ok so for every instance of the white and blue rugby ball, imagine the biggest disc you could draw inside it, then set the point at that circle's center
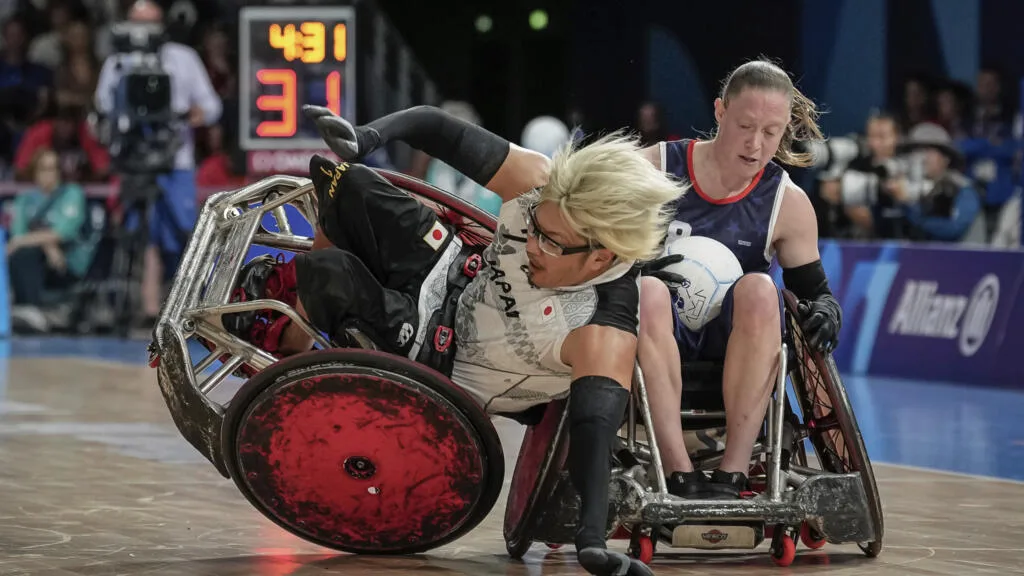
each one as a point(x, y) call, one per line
point(709, 269)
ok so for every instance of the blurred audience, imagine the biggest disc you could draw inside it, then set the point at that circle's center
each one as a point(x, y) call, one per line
point(25, 87)
point(948, 207)
point(991, 151)
point(78, 70)
point(956, 177)
point(859, 192)
point(545, 134)
point(45, 245)
point(82, 157)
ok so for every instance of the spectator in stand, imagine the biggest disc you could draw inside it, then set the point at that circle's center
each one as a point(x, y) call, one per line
point(952, 99)
point(215, 169)
point(217, 57)
point(193, 95)
point(917, 102)
point(990, 149)
point(650, 125)
point(45, 251)
point(82, 157)
point(948, 208)
point(78, 71)
point(24, 86)
point(47, 48)
point(857, 190)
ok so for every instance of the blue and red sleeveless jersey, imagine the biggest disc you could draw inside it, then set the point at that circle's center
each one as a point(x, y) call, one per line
point(744, 223)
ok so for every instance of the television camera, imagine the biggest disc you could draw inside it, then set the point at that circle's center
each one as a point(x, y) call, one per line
point(143, 135)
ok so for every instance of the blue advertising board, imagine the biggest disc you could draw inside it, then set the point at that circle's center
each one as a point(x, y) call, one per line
point(928, 311)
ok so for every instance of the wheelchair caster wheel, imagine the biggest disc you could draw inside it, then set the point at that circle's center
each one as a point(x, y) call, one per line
point(810, 537)
point(642, 549)
point(784, 553)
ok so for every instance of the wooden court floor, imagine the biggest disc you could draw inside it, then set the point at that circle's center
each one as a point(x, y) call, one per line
point(94, 480)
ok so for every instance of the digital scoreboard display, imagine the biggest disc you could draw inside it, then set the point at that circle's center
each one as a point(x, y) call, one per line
point(289, 57)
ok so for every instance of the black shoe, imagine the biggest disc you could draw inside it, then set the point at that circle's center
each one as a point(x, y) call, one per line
point(689, 485)
point(601, 562)
point(726, 485)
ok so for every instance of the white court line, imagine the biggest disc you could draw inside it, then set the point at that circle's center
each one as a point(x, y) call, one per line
point(964, 475)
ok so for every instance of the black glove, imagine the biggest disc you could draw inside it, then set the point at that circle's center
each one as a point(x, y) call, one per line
point(656, 269)
point(349, 142)
point(821, 320)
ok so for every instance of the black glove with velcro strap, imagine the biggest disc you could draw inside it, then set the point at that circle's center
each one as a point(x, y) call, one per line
point(821, 318)
point(656, 269)
point(349, 142)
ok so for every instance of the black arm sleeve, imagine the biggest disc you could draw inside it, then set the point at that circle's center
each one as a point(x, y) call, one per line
point(808, 282)
point(468, 148)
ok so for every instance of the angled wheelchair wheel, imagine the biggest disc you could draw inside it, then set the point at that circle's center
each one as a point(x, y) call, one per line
point(537, 470)
point(363, 452)
point(829, 419)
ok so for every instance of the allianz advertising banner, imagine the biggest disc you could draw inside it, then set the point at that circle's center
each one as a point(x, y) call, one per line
point(929, 312)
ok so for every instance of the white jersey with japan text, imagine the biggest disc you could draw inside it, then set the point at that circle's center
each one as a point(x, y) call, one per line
point(509, 334)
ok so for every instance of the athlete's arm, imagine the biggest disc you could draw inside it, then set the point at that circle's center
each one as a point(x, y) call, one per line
point(796, 231)
point(596, 350)
point(796, 245)
point(490, 160)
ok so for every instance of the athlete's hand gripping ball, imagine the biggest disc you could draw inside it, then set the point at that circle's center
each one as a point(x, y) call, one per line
point(656, 269)
point(350, 143)
point(821, 320)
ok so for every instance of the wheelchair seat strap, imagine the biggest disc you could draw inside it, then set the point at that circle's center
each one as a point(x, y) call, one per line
point(439, 353)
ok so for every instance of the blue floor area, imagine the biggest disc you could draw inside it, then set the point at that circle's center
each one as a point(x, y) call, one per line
point(950, 427)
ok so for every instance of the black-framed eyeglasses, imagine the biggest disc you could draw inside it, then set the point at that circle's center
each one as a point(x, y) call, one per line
point(546, 243)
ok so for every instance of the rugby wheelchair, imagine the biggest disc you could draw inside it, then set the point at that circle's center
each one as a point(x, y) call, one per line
point(356, 449)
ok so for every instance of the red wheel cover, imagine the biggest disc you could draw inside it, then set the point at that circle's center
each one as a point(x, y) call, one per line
point(362, 462)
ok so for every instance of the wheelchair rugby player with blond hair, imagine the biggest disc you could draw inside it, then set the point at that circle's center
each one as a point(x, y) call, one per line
point(552, 311)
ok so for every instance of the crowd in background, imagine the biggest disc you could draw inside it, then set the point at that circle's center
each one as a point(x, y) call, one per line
point(944, 166)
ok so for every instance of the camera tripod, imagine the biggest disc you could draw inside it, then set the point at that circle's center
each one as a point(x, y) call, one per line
point(115, 293)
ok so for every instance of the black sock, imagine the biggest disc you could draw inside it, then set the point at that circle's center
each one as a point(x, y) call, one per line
point(596, 408)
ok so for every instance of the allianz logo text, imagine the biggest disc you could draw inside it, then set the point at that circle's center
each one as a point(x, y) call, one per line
point(922, 311)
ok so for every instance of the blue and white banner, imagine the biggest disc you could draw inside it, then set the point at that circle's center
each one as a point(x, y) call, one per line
point(929, 312)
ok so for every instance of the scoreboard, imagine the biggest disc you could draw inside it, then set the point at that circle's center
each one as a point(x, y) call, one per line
point(291, 56)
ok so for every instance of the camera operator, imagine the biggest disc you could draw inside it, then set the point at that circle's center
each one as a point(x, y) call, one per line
point(858, 188)
point(947, 206)
point(191, 96)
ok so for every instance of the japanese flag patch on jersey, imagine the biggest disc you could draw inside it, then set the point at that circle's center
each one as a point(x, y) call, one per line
point(547, 310)
point(436, 236)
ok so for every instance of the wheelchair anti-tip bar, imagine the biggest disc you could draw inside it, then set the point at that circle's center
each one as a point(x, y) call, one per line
point(228, 225)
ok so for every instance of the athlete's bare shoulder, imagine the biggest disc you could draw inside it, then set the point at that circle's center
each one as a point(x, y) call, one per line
point(653, 154)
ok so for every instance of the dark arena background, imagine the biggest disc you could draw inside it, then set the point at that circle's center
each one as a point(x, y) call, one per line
point(127, 451)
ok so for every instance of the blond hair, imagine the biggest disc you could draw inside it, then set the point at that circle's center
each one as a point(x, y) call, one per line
point(803, 122)
point(611, 195)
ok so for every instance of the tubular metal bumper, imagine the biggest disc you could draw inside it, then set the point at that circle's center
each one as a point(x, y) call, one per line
point(228, 225)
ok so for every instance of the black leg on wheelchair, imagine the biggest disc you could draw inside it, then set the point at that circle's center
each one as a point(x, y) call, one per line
point(596, 408)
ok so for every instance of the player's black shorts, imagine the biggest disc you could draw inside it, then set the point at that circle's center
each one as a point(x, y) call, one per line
point(385, 244)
